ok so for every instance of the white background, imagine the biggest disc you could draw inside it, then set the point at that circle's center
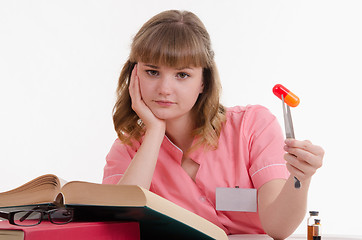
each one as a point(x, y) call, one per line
point(60, 61)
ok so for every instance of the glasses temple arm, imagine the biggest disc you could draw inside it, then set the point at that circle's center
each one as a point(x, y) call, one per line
point(28, 213)
point(4, 215)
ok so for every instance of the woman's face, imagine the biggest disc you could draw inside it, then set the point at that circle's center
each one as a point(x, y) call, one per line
point(170, 93)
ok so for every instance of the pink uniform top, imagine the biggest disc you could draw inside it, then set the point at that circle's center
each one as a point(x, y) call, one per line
point(249, 154)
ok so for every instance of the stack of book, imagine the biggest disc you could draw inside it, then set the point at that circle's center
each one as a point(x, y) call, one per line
point(103, 211)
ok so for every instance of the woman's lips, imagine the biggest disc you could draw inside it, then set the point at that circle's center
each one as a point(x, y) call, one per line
point(164, 103)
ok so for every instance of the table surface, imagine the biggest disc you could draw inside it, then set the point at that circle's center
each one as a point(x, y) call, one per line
point(293, 237)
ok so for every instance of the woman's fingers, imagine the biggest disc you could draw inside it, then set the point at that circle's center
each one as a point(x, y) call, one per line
point(306, 145)
point(134, 87)
point(134, 91)
point(140, 107)
point(295, 172)
point(300, 169)
point(303, 158)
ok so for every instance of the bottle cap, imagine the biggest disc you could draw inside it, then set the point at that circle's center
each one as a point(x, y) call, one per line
point(313, 213)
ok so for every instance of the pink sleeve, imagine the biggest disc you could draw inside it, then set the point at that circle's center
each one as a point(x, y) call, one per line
point(117, 161)
point(266, 142)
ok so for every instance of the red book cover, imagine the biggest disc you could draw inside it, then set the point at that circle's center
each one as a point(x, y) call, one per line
point(75, 231)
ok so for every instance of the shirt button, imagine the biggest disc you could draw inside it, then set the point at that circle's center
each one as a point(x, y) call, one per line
point(202, 198)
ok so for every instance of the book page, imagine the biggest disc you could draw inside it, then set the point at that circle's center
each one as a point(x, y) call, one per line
point(40, 190)
point(11, 234)
point(62, 182)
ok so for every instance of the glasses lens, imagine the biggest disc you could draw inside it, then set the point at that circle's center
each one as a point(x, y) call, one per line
point(61, 216)
point(27, 218)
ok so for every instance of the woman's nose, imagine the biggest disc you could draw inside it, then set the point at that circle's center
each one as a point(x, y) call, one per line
point(165, 86)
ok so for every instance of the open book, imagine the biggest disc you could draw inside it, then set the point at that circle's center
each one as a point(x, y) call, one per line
point(158, 217)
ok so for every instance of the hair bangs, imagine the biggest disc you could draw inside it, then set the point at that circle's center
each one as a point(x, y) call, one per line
point(173, 45)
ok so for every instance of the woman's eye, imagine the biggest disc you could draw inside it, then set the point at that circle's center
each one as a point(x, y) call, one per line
point(183, 75)
point(152, 72)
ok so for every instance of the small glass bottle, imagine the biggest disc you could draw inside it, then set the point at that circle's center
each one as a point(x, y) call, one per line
point(317, 229)
point(311, 222)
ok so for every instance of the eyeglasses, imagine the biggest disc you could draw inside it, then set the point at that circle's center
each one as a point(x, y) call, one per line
point(27, 218)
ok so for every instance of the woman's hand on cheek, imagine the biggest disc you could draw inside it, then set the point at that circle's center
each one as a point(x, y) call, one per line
point(303, 158)
point(139, 106)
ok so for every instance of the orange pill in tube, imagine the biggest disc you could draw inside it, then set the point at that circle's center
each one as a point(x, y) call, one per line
point(289, 98)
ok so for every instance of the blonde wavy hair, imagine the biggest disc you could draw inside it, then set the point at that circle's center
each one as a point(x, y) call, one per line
point(174, 39)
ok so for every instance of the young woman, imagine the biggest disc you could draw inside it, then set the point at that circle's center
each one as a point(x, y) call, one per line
point(178, 141)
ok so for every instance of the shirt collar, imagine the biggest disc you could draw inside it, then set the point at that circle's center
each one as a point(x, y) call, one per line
point(174, 150)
